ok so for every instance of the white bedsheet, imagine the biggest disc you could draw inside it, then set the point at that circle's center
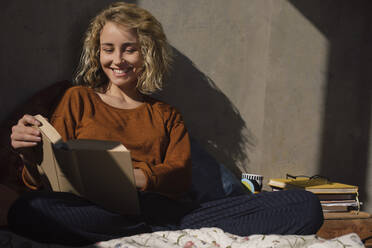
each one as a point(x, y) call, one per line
point(204, 237)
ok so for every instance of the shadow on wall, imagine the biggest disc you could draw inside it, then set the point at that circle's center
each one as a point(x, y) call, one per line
point(210, 116)
point(347, 115)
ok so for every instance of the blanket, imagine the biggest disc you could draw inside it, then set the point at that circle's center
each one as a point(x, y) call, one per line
point(199, 238)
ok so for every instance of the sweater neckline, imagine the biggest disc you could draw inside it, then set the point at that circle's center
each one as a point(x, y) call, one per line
point(99, 100)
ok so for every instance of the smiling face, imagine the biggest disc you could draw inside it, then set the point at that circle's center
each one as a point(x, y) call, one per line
point(120, 55)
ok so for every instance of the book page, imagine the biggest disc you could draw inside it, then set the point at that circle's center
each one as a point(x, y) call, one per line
point(49, 130)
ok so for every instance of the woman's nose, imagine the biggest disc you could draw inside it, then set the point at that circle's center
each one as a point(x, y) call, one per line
point(118, 58)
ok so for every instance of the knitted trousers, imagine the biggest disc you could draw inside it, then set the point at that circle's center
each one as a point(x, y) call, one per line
point(64, 218)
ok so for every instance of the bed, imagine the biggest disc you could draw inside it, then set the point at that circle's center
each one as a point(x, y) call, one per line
point(201, 238)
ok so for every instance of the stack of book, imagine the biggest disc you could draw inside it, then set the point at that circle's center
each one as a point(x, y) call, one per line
point(334, 197)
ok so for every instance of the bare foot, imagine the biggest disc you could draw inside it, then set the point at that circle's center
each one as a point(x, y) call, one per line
point(7, 197)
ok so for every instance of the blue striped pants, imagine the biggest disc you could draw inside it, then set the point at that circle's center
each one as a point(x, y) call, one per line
point(64, 218)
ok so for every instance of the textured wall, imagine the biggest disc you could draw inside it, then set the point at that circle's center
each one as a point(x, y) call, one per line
point(40, 44)
point(344, 133)
point(219, 78)
point(267, 86)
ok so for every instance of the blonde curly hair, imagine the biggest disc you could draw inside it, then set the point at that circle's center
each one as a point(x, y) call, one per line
point(155, 50)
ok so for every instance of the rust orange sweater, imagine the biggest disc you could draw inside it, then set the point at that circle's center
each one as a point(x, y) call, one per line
point(154, 133)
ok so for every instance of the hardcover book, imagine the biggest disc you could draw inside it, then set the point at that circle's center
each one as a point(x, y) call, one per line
point(317, 186)
point(329, 197)
point(340, 206)
point(100, 171)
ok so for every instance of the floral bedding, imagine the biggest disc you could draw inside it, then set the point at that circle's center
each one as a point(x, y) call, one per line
point(203, 238)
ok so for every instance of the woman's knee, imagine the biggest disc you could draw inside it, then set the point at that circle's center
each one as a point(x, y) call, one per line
point(315, 212)
point(37, 207)
point(310, 214)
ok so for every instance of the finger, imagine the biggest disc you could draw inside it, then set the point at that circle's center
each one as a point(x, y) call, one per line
point(29, 120)
point(23, 144)
point(20, 129)
point(25, 137)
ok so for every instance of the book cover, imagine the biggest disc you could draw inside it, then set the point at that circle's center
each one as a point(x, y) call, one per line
point(326, 208)
point(340, 205)
point(100, 171)
point(329, 197)
point(317, 186)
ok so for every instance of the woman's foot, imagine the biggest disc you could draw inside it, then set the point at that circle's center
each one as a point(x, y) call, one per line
point(7, 197)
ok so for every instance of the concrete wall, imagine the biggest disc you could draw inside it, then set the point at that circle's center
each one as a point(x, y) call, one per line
point(267, 86)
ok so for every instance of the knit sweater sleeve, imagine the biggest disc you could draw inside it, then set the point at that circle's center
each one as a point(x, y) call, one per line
point(67, 114)
point(173, 176)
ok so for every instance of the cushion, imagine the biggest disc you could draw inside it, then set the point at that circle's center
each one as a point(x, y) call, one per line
point(43, 102)
point(210, 179)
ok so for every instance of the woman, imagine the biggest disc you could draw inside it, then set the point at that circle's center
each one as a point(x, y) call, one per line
point(125, 57)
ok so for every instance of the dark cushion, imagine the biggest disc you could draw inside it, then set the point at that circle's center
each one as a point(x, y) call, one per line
point(43, 102)
point(210, 179)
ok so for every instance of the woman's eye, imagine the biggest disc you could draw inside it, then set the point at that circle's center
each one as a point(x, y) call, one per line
point(130, 50)
point(107, 50)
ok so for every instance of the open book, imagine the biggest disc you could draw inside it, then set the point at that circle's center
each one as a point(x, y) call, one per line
point(100, 171)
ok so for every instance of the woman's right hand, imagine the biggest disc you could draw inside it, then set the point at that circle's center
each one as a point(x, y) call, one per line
point(24, 134)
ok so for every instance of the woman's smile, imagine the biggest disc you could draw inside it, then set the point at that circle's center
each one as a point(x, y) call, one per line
point(122, 72)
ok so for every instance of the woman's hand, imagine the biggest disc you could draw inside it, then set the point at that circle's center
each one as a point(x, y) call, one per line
point(23, 134)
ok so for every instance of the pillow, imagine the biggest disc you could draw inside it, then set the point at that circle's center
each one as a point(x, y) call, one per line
point(210, 179)
point(43, 102)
